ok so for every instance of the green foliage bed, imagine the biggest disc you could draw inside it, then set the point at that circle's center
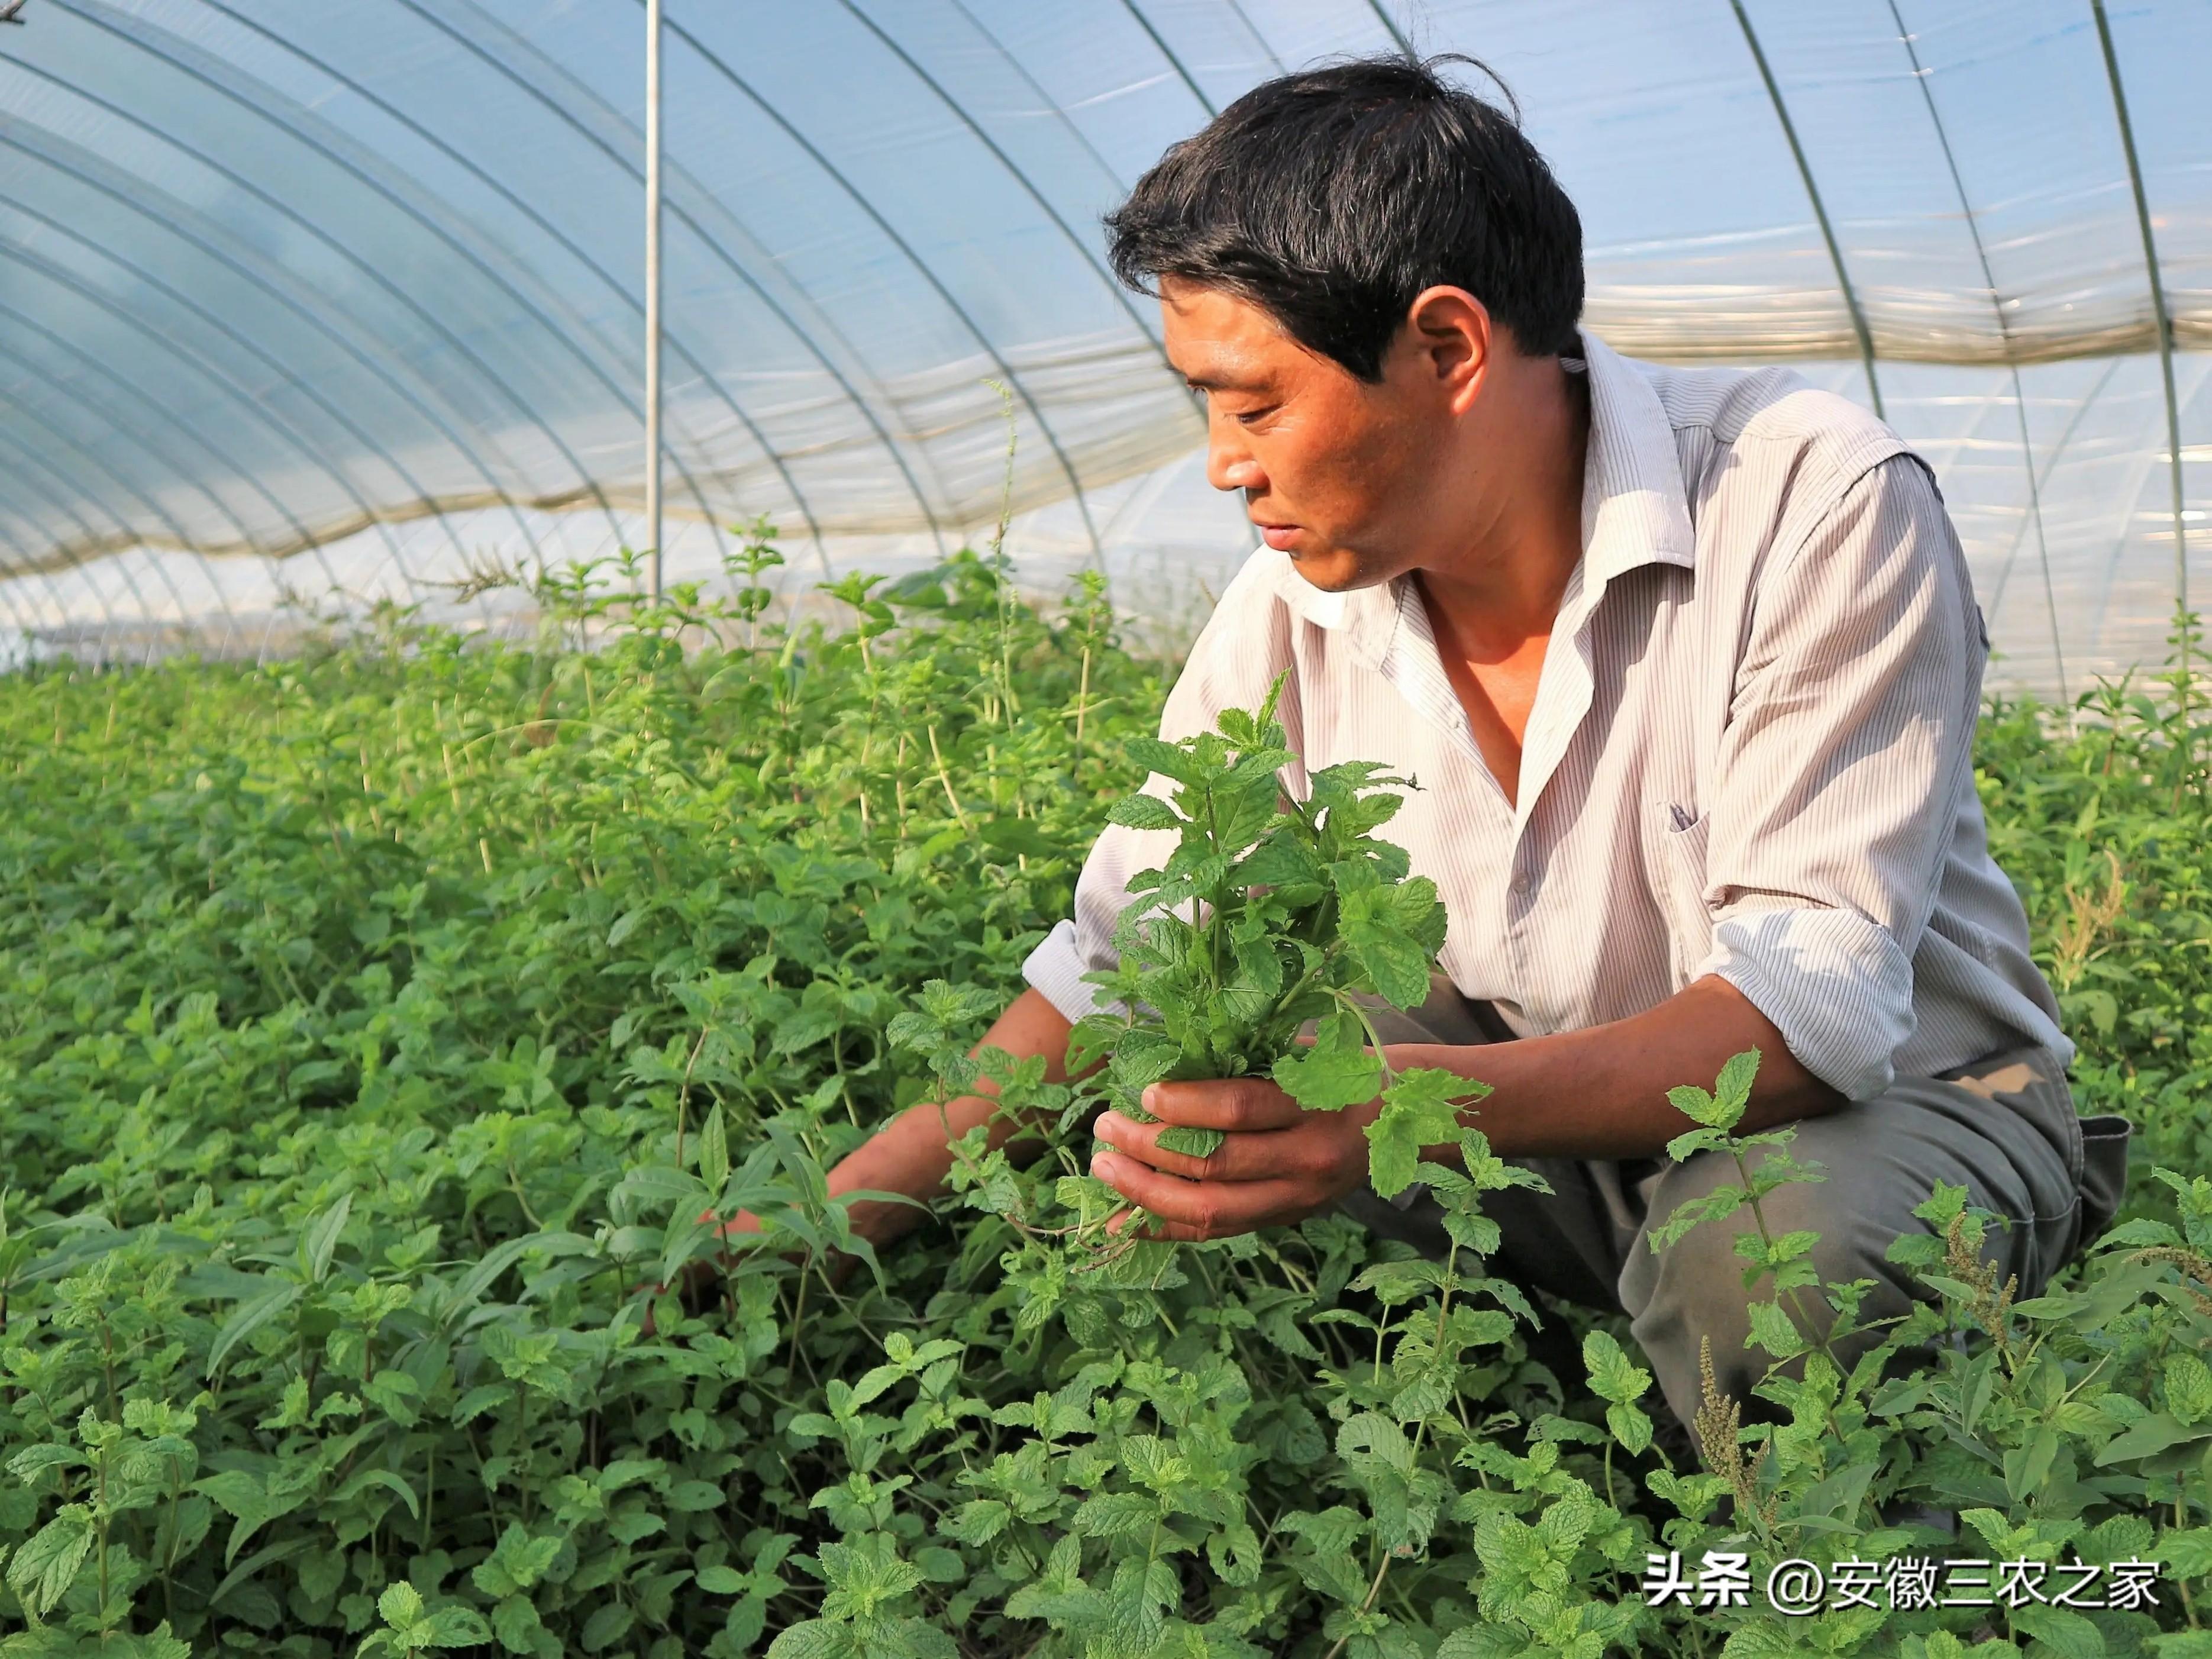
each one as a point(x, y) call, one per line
point(372, 1023)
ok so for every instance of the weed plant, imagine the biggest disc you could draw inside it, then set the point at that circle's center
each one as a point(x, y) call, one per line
point(371, 1023)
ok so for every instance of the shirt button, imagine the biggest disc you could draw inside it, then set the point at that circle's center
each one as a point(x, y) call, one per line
point(1523, 885)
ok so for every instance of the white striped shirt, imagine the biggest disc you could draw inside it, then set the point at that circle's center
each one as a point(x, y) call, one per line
point(1750, 754)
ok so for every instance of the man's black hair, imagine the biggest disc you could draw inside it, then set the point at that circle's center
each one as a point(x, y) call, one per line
point(1331, 197)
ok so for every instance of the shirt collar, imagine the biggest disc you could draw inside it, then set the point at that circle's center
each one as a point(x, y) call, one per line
point(1635, 510)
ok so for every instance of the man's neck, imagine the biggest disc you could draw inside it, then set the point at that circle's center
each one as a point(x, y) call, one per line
point(1503, 587)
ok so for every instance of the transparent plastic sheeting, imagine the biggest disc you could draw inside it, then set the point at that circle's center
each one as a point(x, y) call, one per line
point(335, 302)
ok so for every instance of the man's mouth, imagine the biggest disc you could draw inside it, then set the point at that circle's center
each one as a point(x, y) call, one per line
point(1278, 536)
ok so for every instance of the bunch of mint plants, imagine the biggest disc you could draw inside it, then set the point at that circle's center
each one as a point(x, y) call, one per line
point(1296, 911)
point(374, 1022)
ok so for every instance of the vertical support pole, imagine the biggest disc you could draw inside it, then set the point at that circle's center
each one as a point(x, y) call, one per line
point(653, 287)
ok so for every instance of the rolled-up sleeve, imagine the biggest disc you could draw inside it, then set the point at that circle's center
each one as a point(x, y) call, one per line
point(1245, 643)
point(1848, 746)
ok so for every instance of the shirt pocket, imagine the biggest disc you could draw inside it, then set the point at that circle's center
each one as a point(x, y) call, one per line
point(1674, 856)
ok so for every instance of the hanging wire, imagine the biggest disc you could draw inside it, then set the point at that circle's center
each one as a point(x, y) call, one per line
point(2081, 408)
point(288, 432)
point(1189, 81)
point(1397, 36)
point(1923, 79)
point(2161, 316)
point(929, 273)
point(1820, 206)
point(305, 300)
point(217, 78)
point(571, 108)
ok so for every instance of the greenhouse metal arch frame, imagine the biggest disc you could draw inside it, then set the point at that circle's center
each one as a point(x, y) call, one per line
point(406, 235)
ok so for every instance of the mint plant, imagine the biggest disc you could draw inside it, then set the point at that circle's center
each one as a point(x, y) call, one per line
point(373, 1022)
point(1271, 912)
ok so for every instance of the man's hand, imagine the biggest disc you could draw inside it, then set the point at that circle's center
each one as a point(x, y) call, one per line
point(1279, 1165)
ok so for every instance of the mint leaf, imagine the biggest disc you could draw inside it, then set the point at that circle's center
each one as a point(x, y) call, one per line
point(1612, 1375)
point(1328, 1081)
point(1396, 966)
point(1190, 1142)
point(1271, 910)
point(1733, 1087)
point(1142, 813)
point(1420, 1110)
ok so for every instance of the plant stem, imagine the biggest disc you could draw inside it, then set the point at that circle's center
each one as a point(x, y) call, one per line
point(684, 1094)
point(945, 777)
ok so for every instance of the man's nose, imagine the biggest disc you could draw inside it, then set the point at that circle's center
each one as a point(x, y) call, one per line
point(1230, 464)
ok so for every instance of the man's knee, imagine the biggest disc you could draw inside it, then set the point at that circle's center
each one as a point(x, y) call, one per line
point(1692, 1290)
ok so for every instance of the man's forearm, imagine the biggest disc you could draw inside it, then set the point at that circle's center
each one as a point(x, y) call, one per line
point(1603, 1093)
point(913, 1155)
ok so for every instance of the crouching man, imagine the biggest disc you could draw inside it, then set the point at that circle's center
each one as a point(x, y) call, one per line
point(1686, 664)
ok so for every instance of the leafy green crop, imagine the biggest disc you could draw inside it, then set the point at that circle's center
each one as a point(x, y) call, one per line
point(1298, 909)
point(373, 1022)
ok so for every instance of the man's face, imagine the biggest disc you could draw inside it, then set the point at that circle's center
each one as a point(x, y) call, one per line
point(1337, 472)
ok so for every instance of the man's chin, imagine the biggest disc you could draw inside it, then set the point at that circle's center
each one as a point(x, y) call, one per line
point(1334, 571)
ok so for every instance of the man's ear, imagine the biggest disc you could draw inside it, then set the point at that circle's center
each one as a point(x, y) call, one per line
point(1447, 332)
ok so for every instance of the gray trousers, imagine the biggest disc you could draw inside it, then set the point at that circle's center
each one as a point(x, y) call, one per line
point(2005, 1128)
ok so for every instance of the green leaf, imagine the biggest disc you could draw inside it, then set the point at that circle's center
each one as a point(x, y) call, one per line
point(400, 1606)
point(814, 1638)
point(2189, 1553)
point(868, 1569)
point(45, 1567)
point(2064, 1632)
point(1630, 1426)
point(321, 1572)
point(2188, 1388)
point(940, 1566)
point(1837, 1494)
point(1612, 1375)
point(1334, 1531)
point(1115, 1514)
point(1190, 1142)
point(1421, 1109)
point(322, 1241)
point(1397, 966)
point(1169, 760)
point(607, 1626)
point(457, 1625)
point(1772, 1330)
point(1695, 1103)
point(2153, 1434)
point(1328, 1079)
point(242, 1496)
point(1143, 1056)
point(714, 1152)
point(1732, 1091)
point(1019, 837)
point(1685, 1146)
point(268, 1556)
point(1142, 813)
point(515, 1624)
point(516, 1563)
point(32, 1461)
point(249, 1317)
point(978, 1523)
